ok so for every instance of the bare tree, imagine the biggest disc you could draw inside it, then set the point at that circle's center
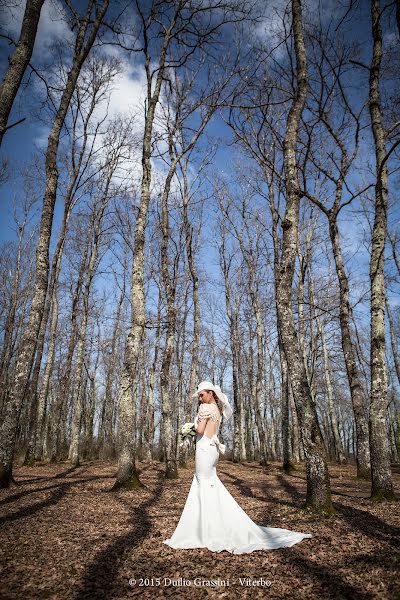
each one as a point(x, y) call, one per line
point(13, 300)
point(330, 104)
point(86, 34)
point(18, 63)
point(116, 148)
point(382, 486)
point(318, 482)
point(60, 405)
point(233, 301)
point(192, 239)
point(184, 31)
point(249, 234)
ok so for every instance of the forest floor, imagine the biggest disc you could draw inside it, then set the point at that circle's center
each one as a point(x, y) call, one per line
point(64, 535)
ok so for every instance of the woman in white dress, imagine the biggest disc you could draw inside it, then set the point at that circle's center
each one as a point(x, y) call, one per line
point(211, 517)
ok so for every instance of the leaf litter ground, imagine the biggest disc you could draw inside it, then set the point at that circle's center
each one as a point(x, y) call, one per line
point(65, 535)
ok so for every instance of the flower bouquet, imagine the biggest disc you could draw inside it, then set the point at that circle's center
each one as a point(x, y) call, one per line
point(187, 435)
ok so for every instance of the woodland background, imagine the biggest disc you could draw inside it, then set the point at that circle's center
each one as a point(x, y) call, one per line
point(201, 190)
point(190, 190)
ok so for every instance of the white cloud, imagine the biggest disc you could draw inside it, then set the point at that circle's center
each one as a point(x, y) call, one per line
point(128, 94)
point(52, 27)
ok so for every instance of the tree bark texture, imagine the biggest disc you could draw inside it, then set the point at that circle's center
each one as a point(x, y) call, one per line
point(86, 36)
point(127, 475)
point(350, 354)
point(318, 482)
point(19, 61)
point(382, 486)
point(98, 215)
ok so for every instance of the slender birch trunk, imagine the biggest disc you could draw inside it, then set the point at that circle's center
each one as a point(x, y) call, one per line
point(190, 253)
point(127, 475)
point(195, 285)
point(37, 434)
point(237, 403)
point(382, 486)
point(44, 392)
point(340, 456)
point(86, 35)
point(270, 399)
point(287, 465)
point(169, 284)
point(91, 404)
point(152, 379)
point(78, 161)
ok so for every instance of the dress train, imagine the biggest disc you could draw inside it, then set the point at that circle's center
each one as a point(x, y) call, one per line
point(212, 518)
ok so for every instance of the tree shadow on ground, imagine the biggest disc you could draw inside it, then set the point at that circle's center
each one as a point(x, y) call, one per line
point(100, 576)
point(325, 576)
point(370, 525)
point(241, 484)
point(27, 511)
point(47, 477)
point(363, 520)
point(59, 491)
point(245, 490)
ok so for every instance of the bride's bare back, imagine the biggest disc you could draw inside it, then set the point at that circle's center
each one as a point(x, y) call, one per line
point(210, 413)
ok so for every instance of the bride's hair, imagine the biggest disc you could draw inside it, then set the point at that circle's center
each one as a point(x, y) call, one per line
point(217, 400)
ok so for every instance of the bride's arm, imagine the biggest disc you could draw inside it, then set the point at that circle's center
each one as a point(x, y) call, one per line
point(201, 426)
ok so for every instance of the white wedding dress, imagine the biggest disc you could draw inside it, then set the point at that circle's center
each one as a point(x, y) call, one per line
point(211, 517)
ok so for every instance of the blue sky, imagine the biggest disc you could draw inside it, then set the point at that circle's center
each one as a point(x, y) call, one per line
point(23, 141)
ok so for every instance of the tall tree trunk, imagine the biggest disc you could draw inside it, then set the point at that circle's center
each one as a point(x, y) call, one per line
point(84, 41)
point(106, 441)
point(232, 312)
point(349, 352)
point(340, 456)
point(18, 62)
point(169, 284)
point(65, 382)
point(318, 483)
point(43, 396)
point(188, 228)
point(51, 304)
point(9, 326)
point(259, 383)
point(270, 399)
point(127, 475)
point(382, 487)
point(152, 378)
point(287, 465)
point(91, 405)
point(69, 203)
point(98, 215)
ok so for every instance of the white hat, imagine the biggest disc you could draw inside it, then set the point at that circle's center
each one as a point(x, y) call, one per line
point(208, 386)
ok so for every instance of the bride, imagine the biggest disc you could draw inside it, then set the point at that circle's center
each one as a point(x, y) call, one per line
point(211, 517)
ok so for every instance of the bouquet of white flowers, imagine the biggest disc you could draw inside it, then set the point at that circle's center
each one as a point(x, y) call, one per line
point(187, 434)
